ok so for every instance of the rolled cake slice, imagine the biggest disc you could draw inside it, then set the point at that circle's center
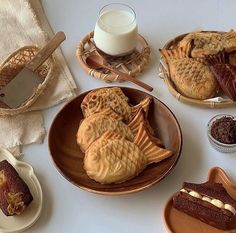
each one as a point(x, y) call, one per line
point(15, 195)
point(208, 202)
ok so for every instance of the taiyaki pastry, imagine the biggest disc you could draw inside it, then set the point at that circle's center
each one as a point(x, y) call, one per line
point(98, 100)
point(96, 124)
point(205, 43)
point(140, 118)
point(191, 76)
point(114, 98)
point(224, 73)
point(209, 202)
point(114, 159)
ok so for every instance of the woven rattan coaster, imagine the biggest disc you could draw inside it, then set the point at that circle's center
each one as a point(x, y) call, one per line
point(13, 65)
point(132, 64)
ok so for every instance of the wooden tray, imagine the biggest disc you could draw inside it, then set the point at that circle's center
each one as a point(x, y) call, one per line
point(68, 157)
point(132, 64)
point(179, 222)
point(163, 72)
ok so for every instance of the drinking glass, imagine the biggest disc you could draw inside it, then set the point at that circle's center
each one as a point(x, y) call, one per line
point(116, 30)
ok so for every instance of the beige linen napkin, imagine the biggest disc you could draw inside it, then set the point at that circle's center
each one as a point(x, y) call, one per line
point(22, 23)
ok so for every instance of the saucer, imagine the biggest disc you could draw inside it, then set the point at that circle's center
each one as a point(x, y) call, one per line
point(33, 211)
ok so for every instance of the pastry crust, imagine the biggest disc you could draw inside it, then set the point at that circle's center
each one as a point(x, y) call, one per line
point(92, 127)
point(113, 159)
point(205, 43)
point(113, 98)
point(191, 76)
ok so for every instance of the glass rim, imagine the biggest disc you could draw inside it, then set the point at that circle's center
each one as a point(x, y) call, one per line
point(119, 4)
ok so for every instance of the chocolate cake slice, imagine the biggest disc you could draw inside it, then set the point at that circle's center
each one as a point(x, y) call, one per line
point(208, 202)
point(224, 73)
point(14, 192)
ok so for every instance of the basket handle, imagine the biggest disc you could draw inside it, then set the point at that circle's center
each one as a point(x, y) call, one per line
point(46, 51)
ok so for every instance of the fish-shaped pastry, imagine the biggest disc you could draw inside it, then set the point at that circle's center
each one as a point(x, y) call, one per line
point(96, 124)
point(224, 72)
point(114, 98)
point(114, 159)
point(140, 118)
point(92, 127)
point(205, 43)
point(191, 76)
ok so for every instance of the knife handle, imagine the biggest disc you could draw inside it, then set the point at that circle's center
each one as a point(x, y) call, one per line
point(46, 51)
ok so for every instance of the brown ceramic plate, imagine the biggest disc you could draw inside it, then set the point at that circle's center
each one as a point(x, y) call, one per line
point(68, 157)
point(179, 222)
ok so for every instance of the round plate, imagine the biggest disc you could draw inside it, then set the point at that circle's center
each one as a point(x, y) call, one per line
point(179, 222)
point(68, 157)
point(33, 211)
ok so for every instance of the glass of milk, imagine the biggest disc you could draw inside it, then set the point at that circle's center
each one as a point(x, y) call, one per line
point(116, 30)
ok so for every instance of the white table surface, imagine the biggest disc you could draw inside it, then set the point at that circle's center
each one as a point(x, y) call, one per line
point(69, 209)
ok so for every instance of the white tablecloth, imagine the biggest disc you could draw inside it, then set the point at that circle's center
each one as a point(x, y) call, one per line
point(69, 209)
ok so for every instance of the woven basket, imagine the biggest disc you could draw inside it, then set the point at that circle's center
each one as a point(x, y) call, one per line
point(164, 73)
point(132, 64)
point(11, 67)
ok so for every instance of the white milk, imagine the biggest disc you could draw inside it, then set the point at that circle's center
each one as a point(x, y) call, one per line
point(116, 32)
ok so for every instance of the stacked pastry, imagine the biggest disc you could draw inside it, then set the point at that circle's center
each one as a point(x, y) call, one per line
point(116, 137)
point(202, 64)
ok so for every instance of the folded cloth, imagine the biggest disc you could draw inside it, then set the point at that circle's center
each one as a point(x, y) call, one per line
point(21, 129)
point(22, 23)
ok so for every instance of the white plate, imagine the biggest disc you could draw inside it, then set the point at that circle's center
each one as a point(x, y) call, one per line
point(32, 212)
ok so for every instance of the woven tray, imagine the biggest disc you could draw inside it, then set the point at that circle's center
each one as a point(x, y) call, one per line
point(164, 73)
point(10, 68)
point(132, 64)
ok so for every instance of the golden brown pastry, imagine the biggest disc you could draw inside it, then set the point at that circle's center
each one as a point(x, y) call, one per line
point(98, 100)
point(114, 159)
point(95, 125)
point(114, 98)
point(205, 43)
point(191, 76)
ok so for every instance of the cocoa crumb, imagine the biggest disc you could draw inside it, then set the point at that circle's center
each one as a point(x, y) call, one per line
point(224, 130)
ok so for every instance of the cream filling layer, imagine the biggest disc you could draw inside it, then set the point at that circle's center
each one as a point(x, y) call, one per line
point(213, 201)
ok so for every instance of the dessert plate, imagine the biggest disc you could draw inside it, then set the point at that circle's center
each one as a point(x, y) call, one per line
point(68, 157)
point(179, 222)
point(32, 212)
